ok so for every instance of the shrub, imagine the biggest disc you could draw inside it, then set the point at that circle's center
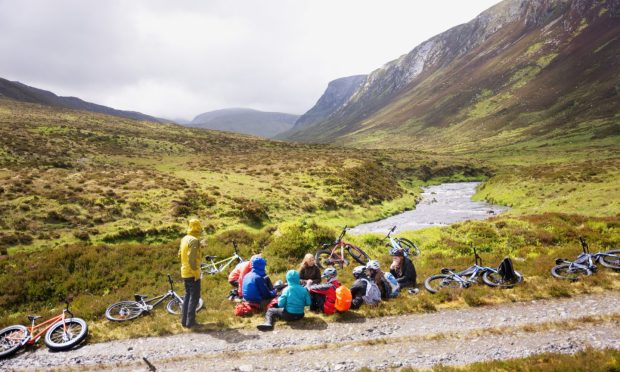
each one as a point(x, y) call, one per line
point(252, 211)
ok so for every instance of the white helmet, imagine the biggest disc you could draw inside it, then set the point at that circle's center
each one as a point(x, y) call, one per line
point(373, 265)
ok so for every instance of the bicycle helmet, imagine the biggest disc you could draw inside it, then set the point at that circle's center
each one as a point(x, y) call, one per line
point(373, 265)
point(330, 272)
point(397, 252)
point(359, 271)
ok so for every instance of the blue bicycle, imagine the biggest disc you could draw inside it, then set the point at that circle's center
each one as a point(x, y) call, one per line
point(409, 247)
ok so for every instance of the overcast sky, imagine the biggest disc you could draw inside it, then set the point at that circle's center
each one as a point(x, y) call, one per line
point(177, 59)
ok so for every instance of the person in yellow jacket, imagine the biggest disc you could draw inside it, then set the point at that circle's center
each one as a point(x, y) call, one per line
point(189, 252)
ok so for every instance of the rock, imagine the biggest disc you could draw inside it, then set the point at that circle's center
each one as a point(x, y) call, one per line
point(246, 368)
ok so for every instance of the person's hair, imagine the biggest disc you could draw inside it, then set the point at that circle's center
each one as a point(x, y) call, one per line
point(304, 262)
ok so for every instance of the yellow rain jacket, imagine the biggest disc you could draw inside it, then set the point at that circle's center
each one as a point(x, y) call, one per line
point(189, 251)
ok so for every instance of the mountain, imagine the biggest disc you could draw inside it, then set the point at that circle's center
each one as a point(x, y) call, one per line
point(24, 93)
point(337, 93)
point(248, 121)
point(523, 70)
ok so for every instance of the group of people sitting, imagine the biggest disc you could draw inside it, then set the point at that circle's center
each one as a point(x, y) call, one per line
point(308, 287)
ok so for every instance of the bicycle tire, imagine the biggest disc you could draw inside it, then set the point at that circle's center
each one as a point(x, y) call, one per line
point(174, 307)
point(561, 272)
point(432, 289)
point(123, 311)
point(57, 339)
point(323, 258)
point(611, 262)
point(362, 258)
point(494, 279)
point(11, 340)
point(411, 246)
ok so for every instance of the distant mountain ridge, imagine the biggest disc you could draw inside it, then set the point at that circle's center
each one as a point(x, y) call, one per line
point(337, 93)
point(247, 121)
point(24, 93)
point(522, 69)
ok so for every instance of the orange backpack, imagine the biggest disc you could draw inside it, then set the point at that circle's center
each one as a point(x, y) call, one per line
point(343, 299)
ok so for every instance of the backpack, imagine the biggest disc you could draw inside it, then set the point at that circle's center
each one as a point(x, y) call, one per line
point(343, 299)
point(245, 308)
point(394, 286)
point(506, 270)
point(373, 294)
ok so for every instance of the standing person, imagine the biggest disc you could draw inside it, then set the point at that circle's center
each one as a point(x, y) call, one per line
point(374, 272)
point(189, 252)
point(309, 272)
point(291, 303)
point(256, 285)
point(324, 295)
point(402, 268)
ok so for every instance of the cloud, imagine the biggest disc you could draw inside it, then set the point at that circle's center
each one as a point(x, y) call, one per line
point(178, 59)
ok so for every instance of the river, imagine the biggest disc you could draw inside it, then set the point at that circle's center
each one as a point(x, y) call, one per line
point(440, 205)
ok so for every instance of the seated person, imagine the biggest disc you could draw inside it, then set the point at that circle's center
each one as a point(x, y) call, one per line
point(309, 272)
point(402, 268)
point(290, 304)
point(363, 290)
point(233, 278)
point(324, 295)
point(257, 289)
point(373, 269)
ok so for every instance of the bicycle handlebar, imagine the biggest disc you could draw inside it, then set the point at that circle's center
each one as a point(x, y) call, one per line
point(170, 281)
point(234, 243)
point(477, 258)
point(344, 231)
point(390, 232)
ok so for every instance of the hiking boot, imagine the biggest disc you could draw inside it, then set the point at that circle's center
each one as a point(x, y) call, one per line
point(265, 327)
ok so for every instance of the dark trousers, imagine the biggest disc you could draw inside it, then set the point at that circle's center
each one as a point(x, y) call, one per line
point(190, 302)
point(274, 314)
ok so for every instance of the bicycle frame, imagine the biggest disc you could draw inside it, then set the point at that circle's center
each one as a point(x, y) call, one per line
point(149, 304)
point(215, 267)
point(468, 275)
point(334, 256)
point(43, 327)
point(586, 259)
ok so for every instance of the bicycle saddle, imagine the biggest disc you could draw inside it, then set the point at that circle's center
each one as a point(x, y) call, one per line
point(32, 318)
point(446, 271)
point(140, 297)
point(210, 257)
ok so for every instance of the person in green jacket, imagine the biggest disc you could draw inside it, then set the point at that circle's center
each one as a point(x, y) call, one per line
point(189, 252)
point(291, 303)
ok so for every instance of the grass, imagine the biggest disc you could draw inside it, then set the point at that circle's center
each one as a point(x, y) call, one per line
point(94, 206)
point(586, 360)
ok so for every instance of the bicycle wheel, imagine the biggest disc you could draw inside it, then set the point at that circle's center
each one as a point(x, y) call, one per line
point(563, 271)
point(12, 339)
point(409, 246)
point(174, 306)
point(495, 279)
point(124, 310)
point(435, 283)
point(66, 334)
point(358, 254)
point(323, 258)
point(612, 262)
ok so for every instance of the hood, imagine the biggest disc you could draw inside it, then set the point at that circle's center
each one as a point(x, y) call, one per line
point(258, 265)
point(292, 277)
point(194, 227)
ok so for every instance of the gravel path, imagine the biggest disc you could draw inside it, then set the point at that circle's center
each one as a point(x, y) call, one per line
point(410, 340)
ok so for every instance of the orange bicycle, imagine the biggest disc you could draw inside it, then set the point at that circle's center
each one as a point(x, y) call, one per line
point(61, 333)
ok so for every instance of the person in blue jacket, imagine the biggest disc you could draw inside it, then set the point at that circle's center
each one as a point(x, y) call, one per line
point(256, 290)
point(291, 303)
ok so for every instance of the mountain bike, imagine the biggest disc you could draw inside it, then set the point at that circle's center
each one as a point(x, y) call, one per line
point(62, 332)
point(465, 278)
point(329, 255)
point(585, 264)
point(409, 247)
point(214, 267)
point(129, 310)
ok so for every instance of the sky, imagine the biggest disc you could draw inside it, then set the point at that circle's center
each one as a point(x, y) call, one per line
point(177, 59)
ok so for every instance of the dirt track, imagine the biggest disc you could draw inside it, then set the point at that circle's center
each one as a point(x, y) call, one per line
point(448, 337)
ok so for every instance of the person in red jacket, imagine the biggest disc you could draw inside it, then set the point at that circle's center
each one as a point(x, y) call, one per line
point(324, 295)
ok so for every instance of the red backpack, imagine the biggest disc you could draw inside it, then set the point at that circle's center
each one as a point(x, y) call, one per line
point(246, 309)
